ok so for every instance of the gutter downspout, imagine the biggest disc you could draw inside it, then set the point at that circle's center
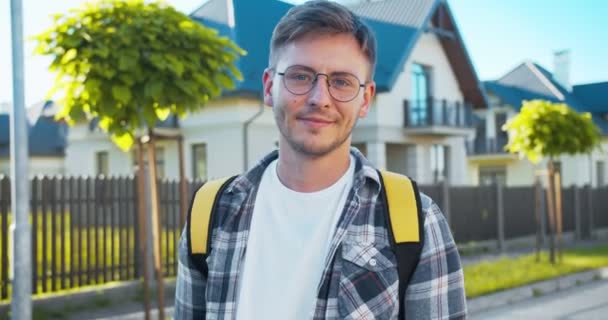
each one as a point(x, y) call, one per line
point(246, 134)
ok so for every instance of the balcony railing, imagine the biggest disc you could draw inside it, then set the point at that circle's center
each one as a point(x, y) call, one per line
point(483, 145)
point(432, 112)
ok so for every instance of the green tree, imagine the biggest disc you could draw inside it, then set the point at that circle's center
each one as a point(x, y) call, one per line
point(543, 129)
point(131, 63)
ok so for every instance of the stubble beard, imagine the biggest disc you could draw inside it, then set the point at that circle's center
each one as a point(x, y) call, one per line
point(307, 149)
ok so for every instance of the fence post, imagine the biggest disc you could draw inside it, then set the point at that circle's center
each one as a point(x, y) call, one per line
point(590, 208)
point(577, 213)
point(445, 201)
point(500, 216)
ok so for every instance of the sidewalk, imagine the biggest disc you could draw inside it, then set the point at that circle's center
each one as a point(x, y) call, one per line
point(129, 308)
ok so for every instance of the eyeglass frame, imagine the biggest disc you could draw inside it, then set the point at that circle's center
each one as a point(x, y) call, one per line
point(316, 77)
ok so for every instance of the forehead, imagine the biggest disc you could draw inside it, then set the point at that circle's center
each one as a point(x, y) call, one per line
point(326, 53)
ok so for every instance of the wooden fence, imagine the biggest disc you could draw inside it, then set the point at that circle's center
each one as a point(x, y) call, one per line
point(85, 230)
point(478, 213)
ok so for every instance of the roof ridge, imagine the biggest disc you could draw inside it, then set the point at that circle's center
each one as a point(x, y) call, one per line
point(226, 15)
point(546, 82)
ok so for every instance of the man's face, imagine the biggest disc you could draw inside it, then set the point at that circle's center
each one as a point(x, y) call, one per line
point(314, 124)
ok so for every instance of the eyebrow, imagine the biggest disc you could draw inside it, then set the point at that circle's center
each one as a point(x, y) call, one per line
point(340, 72)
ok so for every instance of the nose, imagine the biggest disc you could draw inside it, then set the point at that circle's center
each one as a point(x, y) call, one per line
point(319, 94)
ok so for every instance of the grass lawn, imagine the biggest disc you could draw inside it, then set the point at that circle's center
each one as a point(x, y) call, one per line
point(506, 273)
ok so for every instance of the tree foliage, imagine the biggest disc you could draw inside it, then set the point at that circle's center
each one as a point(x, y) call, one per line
point(132, 63)
point(546, 129)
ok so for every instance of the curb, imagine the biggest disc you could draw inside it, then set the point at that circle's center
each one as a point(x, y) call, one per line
point(97, 297)
point(502, 298)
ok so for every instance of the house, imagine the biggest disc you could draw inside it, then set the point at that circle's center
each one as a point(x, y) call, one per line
point(419, 122)
point(46, 140)
point(488, 161)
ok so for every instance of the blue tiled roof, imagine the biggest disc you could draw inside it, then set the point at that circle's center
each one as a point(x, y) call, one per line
point(593, 95)
point(46, 137)
point(514, 97)
point(4, 131)
point(392, 54)
point(253, 33)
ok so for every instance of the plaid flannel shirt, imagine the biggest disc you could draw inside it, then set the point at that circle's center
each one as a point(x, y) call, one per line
point(350, 287)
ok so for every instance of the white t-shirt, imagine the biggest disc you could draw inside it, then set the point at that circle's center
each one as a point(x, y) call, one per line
point(287, 247)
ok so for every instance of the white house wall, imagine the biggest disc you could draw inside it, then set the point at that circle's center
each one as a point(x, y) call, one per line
point(382, 130)
point(457, 162)
point(577, 170)
point(37, 166)
point(428, 52)
point(219, 125)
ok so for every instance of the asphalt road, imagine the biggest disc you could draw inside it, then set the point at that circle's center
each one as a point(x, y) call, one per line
point(587, 302)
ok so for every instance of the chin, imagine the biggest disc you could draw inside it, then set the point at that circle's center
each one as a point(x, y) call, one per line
point(315, 150)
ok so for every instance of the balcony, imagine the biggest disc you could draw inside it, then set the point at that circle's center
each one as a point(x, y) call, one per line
point(489, 149)
point(437, 117)
point(482, 145)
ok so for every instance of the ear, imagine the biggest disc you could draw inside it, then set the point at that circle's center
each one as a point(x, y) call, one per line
point(267, 80)
point(368, 94)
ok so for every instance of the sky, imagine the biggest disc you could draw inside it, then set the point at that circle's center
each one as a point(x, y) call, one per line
point(498, 35)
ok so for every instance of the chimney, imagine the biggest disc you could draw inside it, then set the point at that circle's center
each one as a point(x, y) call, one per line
point(561, 68)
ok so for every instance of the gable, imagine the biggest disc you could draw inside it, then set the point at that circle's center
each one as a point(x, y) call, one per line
point(528, 78)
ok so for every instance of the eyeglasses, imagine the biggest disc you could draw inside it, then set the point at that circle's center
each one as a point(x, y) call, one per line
point(342, 86)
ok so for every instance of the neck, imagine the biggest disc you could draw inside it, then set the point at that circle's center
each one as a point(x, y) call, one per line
point(310, 174)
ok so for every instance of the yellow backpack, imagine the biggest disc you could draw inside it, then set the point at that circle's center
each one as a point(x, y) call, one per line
point(402, 206)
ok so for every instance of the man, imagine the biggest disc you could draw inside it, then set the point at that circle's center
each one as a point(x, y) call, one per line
point(301, 235)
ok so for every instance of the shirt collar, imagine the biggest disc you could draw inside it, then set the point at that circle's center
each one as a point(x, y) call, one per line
point(364, 171)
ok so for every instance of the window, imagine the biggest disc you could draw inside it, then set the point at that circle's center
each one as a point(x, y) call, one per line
point(600, 173)
point(420, 94)
point(160, 160)
point(199, 161)
point(102, 163)
point(501, 136)
point(439, 162)
point(492, 176)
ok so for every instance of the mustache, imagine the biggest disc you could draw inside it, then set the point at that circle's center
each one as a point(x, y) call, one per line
point(316, 114)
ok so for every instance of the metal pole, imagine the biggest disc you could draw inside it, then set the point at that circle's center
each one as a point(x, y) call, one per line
point(21, 300)
point(143, 224)
point(158, 267)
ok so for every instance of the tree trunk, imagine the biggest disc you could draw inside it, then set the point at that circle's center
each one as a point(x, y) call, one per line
point(537, 214)
point(558, 205)
point(551, 211)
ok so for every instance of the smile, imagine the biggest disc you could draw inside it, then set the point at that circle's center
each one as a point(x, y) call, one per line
point(315, 122)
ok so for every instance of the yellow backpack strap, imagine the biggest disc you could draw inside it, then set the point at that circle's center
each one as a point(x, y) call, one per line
point(406, 226)
point(403, 202)
point(200, 218)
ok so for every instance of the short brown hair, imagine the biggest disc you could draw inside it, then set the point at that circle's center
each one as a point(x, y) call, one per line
point(322, 17)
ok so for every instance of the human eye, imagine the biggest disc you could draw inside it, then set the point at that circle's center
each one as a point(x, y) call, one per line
point(342, 81)
point(299, 76)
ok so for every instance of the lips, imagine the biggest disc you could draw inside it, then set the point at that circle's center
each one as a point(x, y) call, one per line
point(315, 122)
